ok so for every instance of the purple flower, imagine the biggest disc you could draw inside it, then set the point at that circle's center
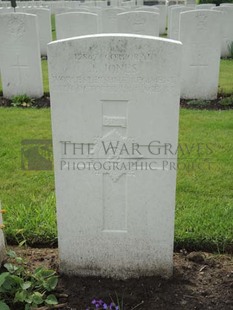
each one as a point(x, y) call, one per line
point(100, 304)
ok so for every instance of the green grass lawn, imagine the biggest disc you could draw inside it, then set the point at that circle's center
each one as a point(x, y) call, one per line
point(204, 203)
point(28, 196)
point(226, 76)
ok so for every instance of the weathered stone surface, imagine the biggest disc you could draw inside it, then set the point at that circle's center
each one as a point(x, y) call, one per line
point(20, 61)
point(115, 206)
point(44, 24)
point(76, 24)
point(200, 33)
point(175, 21)
point(226, 28)
point(205, 6)
point(109, 19)
point(138, 22)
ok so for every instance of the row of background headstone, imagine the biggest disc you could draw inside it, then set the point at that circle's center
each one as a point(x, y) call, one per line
point(105, 16)
point(174, 13)
point(75, 4)
point(106, 19)
point(17, 73)
point(112, 20)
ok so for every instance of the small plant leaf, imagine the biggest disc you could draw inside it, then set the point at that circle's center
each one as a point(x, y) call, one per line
point(22, 243)
point(11, 268)
point(47, 273)
point(26, 285)
point(3, 277)
point(3, 306)
point(11, 254)
point(16, 279)
point(51, 300)
point(37, 298)
point(20, 296)
point(52, 283)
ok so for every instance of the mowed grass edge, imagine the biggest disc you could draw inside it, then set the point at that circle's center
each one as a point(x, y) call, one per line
point(204, 201)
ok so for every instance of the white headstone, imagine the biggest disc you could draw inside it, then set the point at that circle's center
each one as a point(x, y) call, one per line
point(109, 19)
point(126, 5)
point(191, 3)
point(44, 23)
point(205, 6)
point(116, 208)
point(175, 21)
point(226, 4)
point(76, 24)
point(62, 10)
point(138, 22)
point(20, 61)
point(96, 10)
point(227, 28)
point(6, 10)
point(114, 3)
point(162, 18)
point(200, 33)
point(101, 3)
point(169, 9)
point(139, 2)
point(88, 3)
point(80, 9)
point(147, 8)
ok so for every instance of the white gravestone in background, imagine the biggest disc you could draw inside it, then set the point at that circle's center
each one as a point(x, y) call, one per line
point(205, 6)
point(62, 10)
point(139, 2)
point(115, 101)
point(169, 9)
point(226, 4)
point(80, 9)
point(153, 9)
point(191, 3)
point(76, 24)
point(200, 33)
point(20, 61)
point(175, 21)
point(163, 18)
point(227, 28)
point(138, 22)
point(109, 19)
point(146, 8)
point(44, 23)
point(114, 3)
point(102, 4)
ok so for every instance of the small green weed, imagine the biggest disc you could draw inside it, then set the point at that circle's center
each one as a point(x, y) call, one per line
point(21, 288)
point(226, 101)
point(22, 101)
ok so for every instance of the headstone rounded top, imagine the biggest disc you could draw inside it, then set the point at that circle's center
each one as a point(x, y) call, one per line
point(76, 13)
point(116, 35)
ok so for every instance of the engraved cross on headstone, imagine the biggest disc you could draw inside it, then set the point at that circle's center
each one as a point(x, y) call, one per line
point(20, 68)
point(114, 191)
